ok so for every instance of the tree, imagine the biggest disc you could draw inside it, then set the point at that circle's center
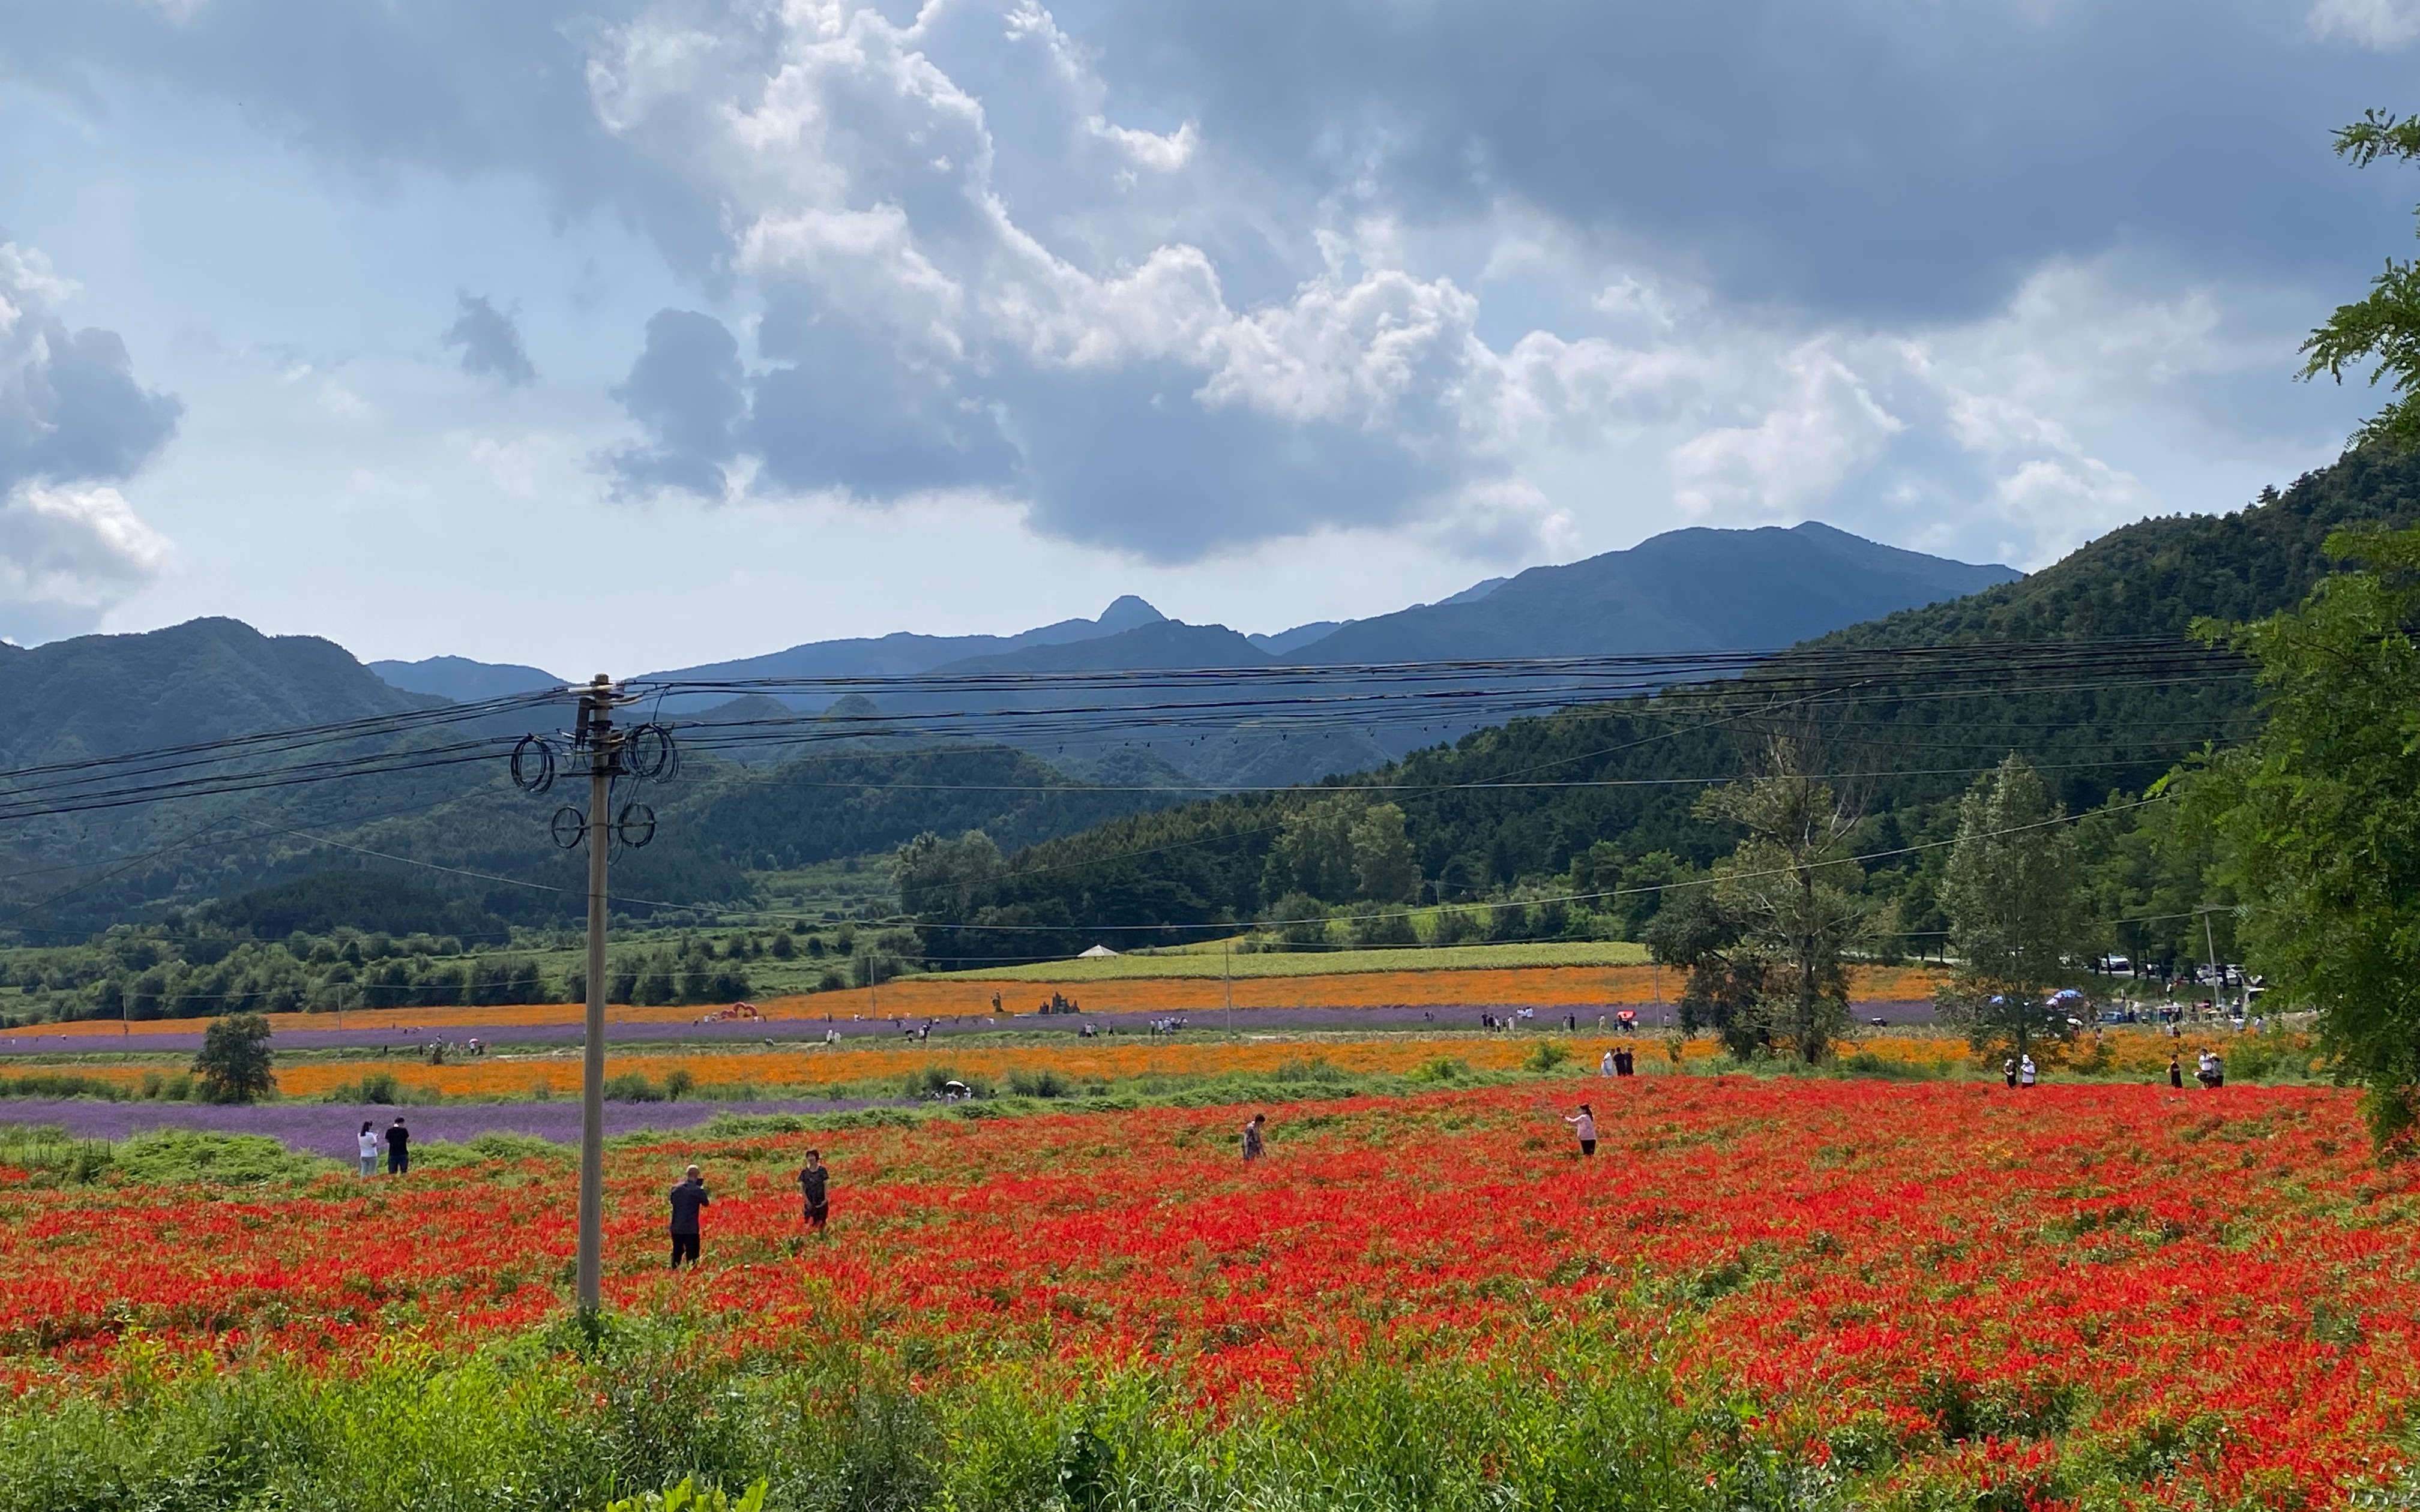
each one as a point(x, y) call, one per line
point(1766, 952)
point(2318, 818)
point(1300, 919)
point(1384, 865)
point(1313, 854)
point(234, 1065)
point(1726, 984)
point(2015, 895)
point(2384, 326)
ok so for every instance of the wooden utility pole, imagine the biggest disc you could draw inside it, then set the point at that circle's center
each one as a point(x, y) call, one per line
point(644, 754)
point(597, 720)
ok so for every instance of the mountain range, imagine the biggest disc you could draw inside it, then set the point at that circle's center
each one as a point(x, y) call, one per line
point(1692, 590)
point(802, 776)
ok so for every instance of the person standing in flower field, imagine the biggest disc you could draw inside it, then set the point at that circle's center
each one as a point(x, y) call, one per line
point(1255, 1145)
point(2176, 1075)
point(369, 1143)
point(2026, 1071)
point(398, 1147)
point(1584, 1124)
point(688, 1198)
point(814, 1188)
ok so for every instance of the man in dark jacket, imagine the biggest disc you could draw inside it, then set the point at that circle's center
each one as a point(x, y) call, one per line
point(688, 1198)
point(398, 1147)
point(814, 1188)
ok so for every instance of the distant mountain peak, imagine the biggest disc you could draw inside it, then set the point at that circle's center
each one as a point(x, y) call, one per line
point(1127, 611)
point(1476, 592)
point(463, 680)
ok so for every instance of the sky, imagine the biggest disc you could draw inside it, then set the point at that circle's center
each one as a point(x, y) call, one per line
point(622, 335)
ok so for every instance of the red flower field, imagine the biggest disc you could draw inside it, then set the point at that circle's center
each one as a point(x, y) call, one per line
point(2217, 1289)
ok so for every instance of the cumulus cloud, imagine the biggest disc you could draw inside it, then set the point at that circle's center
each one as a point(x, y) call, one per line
point(71, 416)
point(1204, 275)
point(918, 334)
point(686, 393)
point(67, 555)
point(2378, 23)
point(491, 341)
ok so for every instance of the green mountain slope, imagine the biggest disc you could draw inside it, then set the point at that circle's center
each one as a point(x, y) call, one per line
point(1904, 750)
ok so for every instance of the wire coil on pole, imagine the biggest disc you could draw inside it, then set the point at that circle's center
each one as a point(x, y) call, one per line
point(532, 765)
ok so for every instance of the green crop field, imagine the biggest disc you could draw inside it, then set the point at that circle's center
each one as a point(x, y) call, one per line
point(1196, 961)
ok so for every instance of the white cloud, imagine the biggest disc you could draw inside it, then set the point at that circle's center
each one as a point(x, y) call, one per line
point(70, 414)
point(1793, 457)
point(1171, 282)
point(864, 190)
point(2378, 23)
point(67, 555)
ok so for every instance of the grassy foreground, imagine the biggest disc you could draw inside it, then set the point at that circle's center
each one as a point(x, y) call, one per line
point(566, 1418)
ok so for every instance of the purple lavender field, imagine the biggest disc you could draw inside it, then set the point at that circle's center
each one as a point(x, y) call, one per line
point(329, 1128)
point(403, 1038)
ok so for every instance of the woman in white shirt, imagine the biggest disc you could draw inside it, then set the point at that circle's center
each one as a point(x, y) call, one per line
point(1584, 1124)
point(369, 1149)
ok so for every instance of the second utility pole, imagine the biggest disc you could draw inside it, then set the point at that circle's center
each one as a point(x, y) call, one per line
point(597, 720)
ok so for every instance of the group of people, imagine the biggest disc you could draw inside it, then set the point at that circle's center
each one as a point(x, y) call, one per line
point(1618, 1062)
point(2210, 1072)
point(397, 1142)
point(690, 1201)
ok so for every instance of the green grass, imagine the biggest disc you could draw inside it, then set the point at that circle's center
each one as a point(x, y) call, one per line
point(569, 1418)
point(1195, 961)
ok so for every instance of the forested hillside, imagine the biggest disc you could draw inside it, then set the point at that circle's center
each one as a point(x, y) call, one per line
point(1597, 799)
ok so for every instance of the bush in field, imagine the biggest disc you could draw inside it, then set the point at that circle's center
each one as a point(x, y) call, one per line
point(1451, 926)
point(380, 1087)
point(1043, 1083)
point(52, 1084)
point(1546, 1055)
point(1376, 924)
point(686, 1497)
point(632, 1087)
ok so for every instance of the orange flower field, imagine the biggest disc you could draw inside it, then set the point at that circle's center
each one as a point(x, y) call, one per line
point(919, 997)
point(2079, 1295)
point(2139, 1054)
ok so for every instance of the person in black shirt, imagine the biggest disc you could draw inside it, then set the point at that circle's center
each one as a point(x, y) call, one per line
point(813, 1186)
point(398, 1147)
point(686, 1199)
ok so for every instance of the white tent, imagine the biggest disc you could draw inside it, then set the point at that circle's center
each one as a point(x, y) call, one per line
point(1098, 952)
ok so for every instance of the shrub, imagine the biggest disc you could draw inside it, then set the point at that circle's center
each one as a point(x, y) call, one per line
point(1546, 1055)
point(686, 1497)
point(1374, 924)
point(54, 1084)
point(1043, 1083)
point(182, 1157)
point(379, 1087)
point(632, 1087)
point(1451, 926)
